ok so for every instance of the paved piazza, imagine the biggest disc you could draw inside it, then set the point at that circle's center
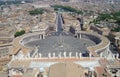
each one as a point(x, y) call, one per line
point(61, 44)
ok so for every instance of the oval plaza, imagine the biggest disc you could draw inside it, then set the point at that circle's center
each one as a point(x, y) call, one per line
point(46, 52)
point(61, 44)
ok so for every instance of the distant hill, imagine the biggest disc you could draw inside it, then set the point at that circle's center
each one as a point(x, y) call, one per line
point(68, 0)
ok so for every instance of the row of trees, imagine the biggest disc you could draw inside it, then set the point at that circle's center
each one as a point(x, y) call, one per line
point(19, 33)
point(66, 8)
point(9, 2)
point(115, 17)
point(36, 11)
point(111, 18)
point(117, 29)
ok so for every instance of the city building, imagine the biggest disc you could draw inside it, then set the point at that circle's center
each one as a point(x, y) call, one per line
point(56, 44)
point(61, 52)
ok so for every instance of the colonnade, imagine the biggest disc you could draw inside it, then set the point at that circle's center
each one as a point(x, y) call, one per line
point(41, 36)
point(115, 56)
point(78, 35)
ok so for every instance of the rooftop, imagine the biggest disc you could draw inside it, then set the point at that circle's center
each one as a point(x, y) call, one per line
point(66, 70)
point(101, 71)
point(31, 72)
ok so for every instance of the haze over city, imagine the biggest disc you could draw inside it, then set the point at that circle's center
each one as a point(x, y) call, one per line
point(59, 38)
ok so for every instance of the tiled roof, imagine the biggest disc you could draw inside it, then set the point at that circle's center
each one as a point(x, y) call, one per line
point(16, 75)
point(101, 71)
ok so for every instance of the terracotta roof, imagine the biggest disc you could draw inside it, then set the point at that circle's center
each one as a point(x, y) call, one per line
point(101, 71)
point(16, 75)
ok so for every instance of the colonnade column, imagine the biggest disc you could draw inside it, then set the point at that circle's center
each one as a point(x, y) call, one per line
point(80, 35)
point(43, 36)
point(80, 54)
point(40, 36)
point(90, 55)
point(59, 55)
point(76, 54)
point(117, 55)
point(53, 55)
point(49, 55)
point(70, 54)
point(113, 56)
point(101, 54)
point(64, 54)
point(40, 55)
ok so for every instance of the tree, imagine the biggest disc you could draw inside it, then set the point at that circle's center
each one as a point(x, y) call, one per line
point(117, 29)
point(67, 9)
point(36, 11)
point(19, 33)
point(107, 17)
